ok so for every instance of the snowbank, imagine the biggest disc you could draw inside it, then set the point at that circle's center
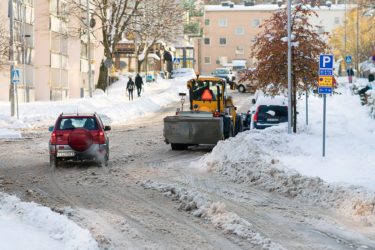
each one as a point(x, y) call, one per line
point(293, 164)
point(114, 108)
point(34, 227)
point(214, 212)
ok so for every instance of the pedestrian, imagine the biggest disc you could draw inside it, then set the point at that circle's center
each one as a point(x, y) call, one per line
point(138, 84)
point(130, 88)
point(350, 73)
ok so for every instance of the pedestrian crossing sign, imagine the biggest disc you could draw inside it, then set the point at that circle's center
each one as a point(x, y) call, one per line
point(15, 76)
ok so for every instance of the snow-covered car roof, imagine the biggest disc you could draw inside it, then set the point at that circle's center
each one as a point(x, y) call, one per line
point(270, 100)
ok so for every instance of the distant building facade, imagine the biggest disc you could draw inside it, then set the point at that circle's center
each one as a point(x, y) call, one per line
point(230, 31)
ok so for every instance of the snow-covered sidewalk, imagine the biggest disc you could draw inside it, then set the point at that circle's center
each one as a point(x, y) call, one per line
point(293, 164)
point(31, 226)
point(114, 108)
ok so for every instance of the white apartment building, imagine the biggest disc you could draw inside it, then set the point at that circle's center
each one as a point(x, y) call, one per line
point(55, 56)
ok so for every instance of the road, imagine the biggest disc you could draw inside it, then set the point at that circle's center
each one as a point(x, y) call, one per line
point(121, 212)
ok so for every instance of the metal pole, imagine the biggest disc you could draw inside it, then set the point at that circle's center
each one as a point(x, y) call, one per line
point(89, 46)
point(16, 88)
point(324, 125)
point(357, 42)
point(289, 68)
point(11, 57)
point(307, 107)
point(25, 83)
point(346, 66)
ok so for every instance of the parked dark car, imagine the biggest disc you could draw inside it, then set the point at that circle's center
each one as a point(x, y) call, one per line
point(266, 116)
point(77, 137)
point(268, 111)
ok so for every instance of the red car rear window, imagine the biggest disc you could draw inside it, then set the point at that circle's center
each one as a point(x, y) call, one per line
point(69, 123)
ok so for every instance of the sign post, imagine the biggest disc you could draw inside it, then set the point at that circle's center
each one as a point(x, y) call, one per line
point(325, 85)
point(15, 81)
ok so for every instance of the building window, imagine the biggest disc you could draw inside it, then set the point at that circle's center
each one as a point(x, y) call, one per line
point(207, 60)
point(253, 39)
point(207, 41)
point(207, 22)
point(255, 23)
point(223, 41)
point(223, 22)
point(240, 50)
point(239, 31)
point(337, 20)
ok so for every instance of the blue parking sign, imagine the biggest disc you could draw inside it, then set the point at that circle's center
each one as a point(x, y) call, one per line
point(325, 61)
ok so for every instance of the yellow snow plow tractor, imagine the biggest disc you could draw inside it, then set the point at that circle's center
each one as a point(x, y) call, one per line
point(212, 115)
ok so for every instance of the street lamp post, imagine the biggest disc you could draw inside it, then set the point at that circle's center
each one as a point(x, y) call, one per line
point(88, 45)
point(11, 57)
point(289, 67)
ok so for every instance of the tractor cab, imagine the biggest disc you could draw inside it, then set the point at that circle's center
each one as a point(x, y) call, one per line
point(207, 94)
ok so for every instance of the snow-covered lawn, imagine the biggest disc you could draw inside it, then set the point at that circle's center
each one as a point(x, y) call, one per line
point(115, 108)
point(30, 226)
point(293, 164)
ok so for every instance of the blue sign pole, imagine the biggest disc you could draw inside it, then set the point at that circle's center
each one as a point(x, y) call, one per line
point(324, 125)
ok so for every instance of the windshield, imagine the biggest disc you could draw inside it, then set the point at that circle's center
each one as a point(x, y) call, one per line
point(88, 123)
point(204, 91)
point(222, 71)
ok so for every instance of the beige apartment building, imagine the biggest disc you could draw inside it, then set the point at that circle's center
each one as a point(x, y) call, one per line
point(230, 30)
point(51, 56)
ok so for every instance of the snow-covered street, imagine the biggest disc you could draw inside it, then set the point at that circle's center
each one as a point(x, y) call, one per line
point(263, 189)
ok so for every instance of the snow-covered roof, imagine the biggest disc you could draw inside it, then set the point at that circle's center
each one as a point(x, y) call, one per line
point(271, 7)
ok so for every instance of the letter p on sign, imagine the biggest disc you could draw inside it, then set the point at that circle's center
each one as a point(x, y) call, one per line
point(326, 61)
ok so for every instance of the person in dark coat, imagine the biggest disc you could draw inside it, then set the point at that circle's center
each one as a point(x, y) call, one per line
point(130, 88)
point(350, 73)
point(138, 84)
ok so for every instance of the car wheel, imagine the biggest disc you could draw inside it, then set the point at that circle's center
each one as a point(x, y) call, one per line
point(53, 161)
point(178, 146)
point(241, 89)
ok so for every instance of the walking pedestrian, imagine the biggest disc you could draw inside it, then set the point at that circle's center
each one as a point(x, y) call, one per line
point(350, 73)
point(138, 84)
point(130, 88)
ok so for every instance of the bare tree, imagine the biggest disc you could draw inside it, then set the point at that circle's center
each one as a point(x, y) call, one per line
point(270, 51)
point(4, 42)
point(112, 18)
point(158, 20)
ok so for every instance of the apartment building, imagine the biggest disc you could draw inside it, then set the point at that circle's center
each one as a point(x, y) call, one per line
point(230, 31)
point(51, 47)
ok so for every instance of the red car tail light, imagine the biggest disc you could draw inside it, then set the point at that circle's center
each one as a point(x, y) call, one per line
point(255, 117)
point(101, 137)
point(53, 138)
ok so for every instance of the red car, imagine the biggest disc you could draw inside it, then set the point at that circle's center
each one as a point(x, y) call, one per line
point(79, 137)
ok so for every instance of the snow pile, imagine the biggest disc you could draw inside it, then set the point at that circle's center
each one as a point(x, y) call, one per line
point(114, 108)
point(293, 165)
point(9, 134)
point(214, 212)
point(39, 227)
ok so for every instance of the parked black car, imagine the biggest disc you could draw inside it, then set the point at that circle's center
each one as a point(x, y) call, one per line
point(268, 111)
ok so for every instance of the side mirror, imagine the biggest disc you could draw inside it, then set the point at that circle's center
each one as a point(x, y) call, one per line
point(253, 101)
point(107, 128)
point(50, 128)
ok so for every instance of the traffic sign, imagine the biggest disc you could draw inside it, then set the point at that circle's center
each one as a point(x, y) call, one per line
point(325, 81)
point(326, 62)
point(324, 90)
point(15, 75)
point(325, 72)
point(348, 59)
point(176, 60)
